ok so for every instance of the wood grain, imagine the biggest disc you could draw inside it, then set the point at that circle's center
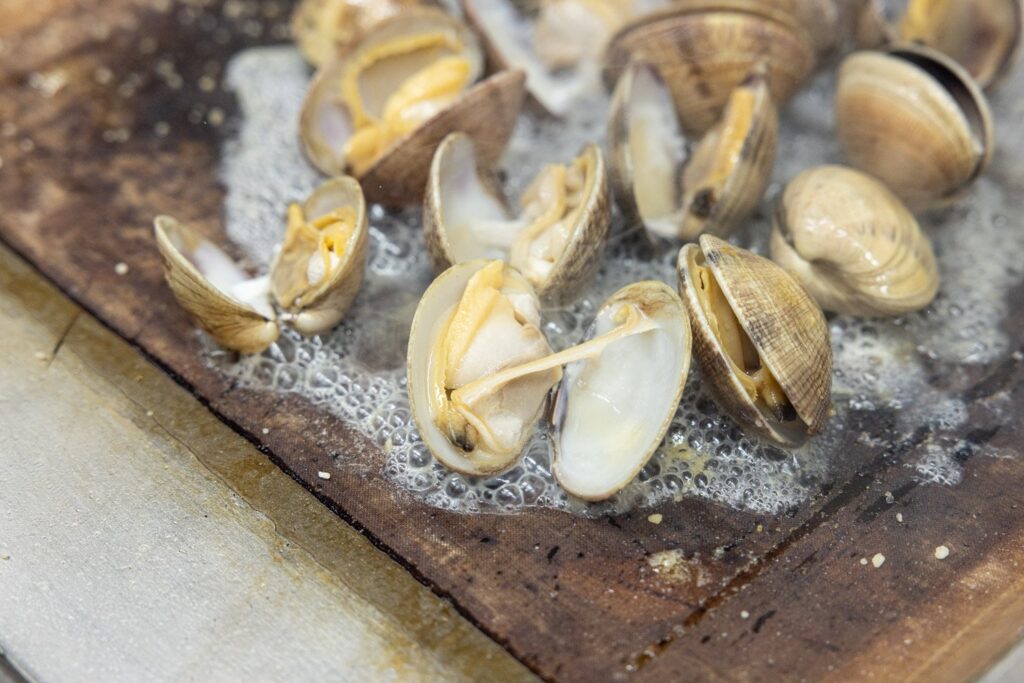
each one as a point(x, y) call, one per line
point(573, 598)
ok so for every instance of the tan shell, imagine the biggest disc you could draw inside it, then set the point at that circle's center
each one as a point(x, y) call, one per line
point(915, 119)
point(487, 112)
point(323, 29)
point(233, 323)
point(428, 323)
point(852, 244)
point(581, 257)
point(600, 446)
point(982, 35)
point(323, 307)
point(714, 205)
point(783, 323)
point(703, 49)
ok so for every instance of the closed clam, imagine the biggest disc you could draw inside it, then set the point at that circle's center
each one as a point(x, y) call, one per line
point(323, 29)
point(480, 371)
point(913, 118)
point(703, 49)
point(558, 43)
point(557, 237)
point(982, 35)
point(381, 109)
point(313, 280)
point(852, 244)
point(678, 186)
point(762, 342)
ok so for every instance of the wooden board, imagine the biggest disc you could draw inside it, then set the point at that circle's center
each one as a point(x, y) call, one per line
point(99, 135)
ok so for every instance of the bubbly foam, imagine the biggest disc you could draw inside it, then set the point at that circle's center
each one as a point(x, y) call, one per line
point(357, 372)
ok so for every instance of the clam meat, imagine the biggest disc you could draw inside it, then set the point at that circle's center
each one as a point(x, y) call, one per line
point(852, 244)
point(556, 238)
point(676, 188)
point(762, 342)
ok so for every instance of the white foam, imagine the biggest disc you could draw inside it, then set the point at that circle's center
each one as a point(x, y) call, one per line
point(357, 372)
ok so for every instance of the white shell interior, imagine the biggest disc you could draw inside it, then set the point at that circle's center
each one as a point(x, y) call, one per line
point(612, 411)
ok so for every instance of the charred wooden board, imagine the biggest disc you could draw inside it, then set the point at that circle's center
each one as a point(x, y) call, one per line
point(108, 120)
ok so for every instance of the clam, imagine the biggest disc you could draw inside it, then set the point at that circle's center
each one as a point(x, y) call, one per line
point(381, 109)
point(475, 320)
point(703, 49)
point(852, 244)
point(555, 241)
point(762, 342)
point(612, 410)
point(313, 279)
point(982, 35)
point(558, 43)
point(480, 371)
point(915, 119)
point(679, 190)
point(323, 29)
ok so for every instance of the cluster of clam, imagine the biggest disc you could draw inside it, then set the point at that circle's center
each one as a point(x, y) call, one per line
point(401, 102)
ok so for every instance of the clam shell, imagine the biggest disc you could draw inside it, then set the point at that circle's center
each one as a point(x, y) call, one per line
point(234, 323)
point(703, 49)
point(717, 205)
point(913, 118)
point(783, 323)
point(487, 112)
point(458, 173)
point(428, 324)
point(323, 29)
point(325, 305)
point(982, 35)
point(852, 244)
point(612, 412)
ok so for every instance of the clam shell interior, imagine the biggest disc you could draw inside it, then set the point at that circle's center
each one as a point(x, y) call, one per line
point(612, 411)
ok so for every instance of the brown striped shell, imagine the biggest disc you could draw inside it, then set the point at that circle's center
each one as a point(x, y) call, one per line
point(852, 244)
point(915, 119)
point(783, 324)
point(679, 192)
point(462, 188)
point(703, 49)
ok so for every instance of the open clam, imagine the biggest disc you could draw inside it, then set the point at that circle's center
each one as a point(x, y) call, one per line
point(480, 371)
point(555, 241)
point(703, 49)
point(679, 190)
point(323, 29)
point(852, 244)
point(558, 43)
point(381, 109)
point(612, 410)
point(762, 341)
point(915, 119)
point(982, 35)
point(314, 278)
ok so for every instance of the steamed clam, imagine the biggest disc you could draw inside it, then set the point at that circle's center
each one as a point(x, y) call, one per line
point(678, 190)
point(913, 118)
point(555, 241)
point(703, 49)
point(382, 108)
point(558, 43)
point(313, 279)
point(480, 371)
point(323, 29)
point(982, 35)
point(762, 341)
point(852, 244)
